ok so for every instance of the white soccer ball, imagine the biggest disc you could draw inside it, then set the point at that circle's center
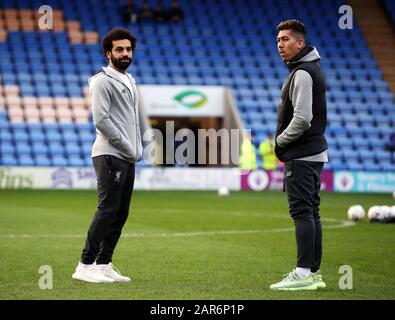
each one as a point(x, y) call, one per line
point(374, 212)
point(356, 213)
point(385, 212)
point(223, 191)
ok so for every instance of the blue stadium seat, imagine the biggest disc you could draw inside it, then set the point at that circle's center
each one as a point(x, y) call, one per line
point(42, 160)
point(39, 77)
point(53, 135)
point(382, 155)
point(53, 67)
point(5, 137)
point(39, 148)
point(355, 166)
point(72, 148)
point(345, 142)
point(339, 165)
point(71, 78)
point(387, 166)
point(7, 149)
point(69, 135)
point(8, 78)
point(74, 91)
point(23, 148)
point(55, 78)
point(360, 142)
point(386, 97)
point(56, 149)
point(27, 90)
point(371, 166)
point(76, 161)
point(21, 136)
point(26, 160)
point(8, 160)
point(86, 136)
point(385, 130)
point(336, 155)
point(87, 161)
point(37, 136)
point(58, 90)
point(59, 161)
point(43, 91)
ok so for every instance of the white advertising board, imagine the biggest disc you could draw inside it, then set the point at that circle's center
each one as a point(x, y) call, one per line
point(146, 178)
point(181, 101)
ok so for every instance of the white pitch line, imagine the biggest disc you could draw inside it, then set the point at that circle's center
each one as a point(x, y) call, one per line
point(342, 224)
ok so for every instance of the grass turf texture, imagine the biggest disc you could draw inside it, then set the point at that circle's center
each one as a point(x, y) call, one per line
point(173, 247)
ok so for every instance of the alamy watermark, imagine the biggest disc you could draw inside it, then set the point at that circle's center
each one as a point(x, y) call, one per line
point(46, 280)
point(346, 20)
point(346, 280)
point(46, 20)
point(186, 147)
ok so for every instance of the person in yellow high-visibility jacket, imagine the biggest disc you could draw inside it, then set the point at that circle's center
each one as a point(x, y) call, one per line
point(266, 149)
point(247, 154)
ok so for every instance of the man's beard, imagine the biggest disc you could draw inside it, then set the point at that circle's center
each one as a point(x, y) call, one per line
point(121, 65)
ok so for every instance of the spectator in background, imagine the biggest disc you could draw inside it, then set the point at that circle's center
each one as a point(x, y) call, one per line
point(266, 149)
point(248, 154)
point(159, 13)
point(146, 14)
point(390, 145)
point(175, 13)
point(129, 12)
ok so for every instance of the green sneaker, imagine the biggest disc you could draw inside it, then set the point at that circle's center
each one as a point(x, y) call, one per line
point(317, 278)
point(293, 281)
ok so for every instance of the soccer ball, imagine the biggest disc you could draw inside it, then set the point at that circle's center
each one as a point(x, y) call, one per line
point(223, 191)
point(385, 212)
point(356, 213)
point(374, 213)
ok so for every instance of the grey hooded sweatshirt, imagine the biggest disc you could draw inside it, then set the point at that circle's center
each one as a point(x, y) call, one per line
point(301, 96)
point(115, 114)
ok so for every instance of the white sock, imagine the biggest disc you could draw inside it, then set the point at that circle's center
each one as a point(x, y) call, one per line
point(303, 272)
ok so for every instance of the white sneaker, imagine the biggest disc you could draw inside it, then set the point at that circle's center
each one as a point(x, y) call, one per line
point(89, 273)
point(108, 270)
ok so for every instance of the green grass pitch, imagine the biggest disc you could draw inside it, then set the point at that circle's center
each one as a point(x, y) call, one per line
point(190, 245)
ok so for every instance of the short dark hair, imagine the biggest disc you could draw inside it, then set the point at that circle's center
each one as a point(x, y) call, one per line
point(118, 34)
point(294, 25)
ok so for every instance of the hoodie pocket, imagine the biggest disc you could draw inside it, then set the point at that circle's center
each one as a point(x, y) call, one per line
point(131, 140)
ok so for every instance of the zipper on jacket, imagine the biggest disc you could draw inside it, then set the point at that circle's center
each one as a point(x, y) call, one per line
point(137, 119)
point(135, 115)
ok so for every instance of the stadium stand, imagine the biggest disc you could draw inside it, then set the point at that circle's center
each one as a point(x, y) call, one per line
point(390, 9)
point(44, 109)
